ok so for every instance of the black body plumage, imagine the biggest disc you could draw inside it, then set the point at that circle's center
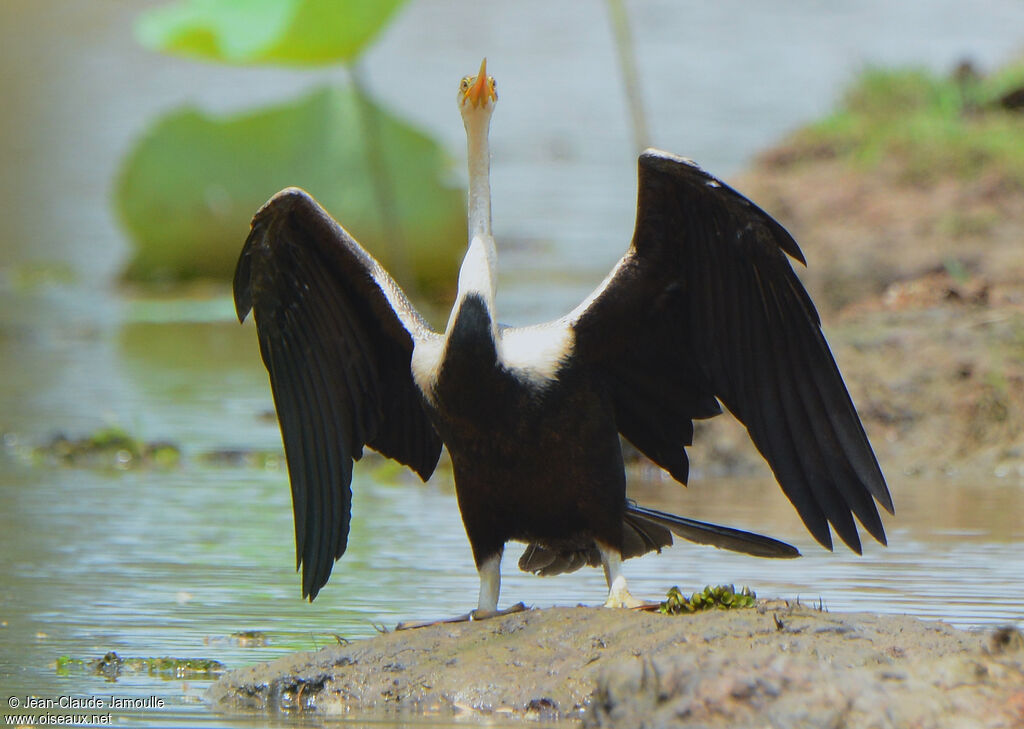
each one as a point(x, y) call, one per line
point(703, 308)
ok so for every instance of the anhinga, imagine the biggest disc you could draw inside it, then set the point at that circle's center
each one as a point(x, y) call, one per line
point(703, 308)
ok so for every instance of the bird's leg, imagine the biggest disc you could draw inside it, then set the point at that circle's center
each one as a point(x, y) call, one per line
point(490, 585)
point(618, 592)
point(487, 607)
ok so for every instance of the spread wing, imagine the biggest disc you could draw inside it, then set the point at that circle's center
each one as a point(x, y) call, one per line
point(705, 307)
point(336, 335)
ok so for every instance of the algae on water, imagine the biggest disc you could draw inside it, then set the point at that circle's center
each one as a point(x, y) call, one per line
point(112, 665)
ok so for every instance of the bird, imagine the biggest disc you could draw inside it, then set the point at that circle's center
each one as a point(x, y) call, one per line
point(703, 310)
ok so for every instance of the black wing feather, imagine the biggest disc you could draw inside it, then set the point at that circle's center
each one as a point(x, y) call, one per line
point(724, 316)
point(336, 335)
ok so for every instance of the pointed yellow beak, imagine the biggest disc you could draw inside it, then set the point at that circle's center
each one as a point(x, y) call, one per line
point(483, 88)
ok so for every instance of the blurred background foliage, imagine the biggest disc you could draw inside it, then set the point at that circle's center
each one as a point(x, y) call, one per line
point(289, 32)
point(187, 189)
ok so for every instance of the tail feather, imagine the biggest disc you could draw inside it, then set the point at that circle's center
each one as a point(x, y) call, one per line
point(648, 530)
point(640, 536)
point(723, 537)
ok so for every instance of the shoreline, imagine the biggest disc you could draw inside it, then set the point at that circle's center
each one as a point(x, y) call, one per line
point(794, 664)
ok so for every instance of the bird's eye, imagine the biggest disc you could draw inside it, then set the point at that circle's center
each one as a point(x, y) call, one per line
point(465, 84)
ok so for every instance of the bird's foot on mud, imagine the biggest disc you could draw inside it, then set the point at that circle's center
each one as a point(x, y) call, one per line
point(620, 597)
point(487, 614)
point(471, 616)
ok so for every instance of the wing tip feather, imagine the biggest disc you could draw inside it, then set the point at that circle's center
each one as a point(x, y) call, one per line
point(282, 201)
point(667, 162)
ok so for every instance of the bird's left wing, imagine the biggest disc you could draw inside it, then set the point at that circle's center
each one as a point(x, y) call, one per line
point(336, 334)
point(704, 307)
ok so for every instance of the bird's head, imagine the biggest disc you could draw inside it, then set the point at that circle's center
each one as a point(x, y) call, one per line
point(477, 95)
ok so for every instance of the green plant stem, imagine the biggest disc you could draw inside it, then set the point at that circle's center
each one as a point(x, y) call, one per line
point(627, 64)
point(383, 189)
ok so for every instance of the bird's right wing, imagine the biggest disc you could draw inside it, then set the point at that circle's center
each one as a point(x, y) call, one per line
point(336, 335)
point(705, 307)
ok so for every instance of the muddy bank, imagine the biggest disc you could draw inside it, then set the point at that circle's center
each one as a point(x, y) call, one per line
point(784, 665)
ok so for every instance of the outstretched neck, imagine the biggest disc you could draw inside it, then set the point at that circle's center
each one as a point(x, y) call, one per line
point(478, 274)
point(479, 176)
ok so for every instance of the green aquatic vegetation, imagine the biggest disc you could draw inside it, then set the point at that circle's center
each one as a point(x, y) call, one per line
point(928, 125)
point(249, 639)
point(240, 639)
point(110, 447)
point(722, 597)
point(112, 665)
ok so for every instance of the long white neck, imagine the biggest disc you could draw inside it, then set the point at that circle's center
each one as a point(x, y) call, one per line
point(479, 175)
point(479, 267)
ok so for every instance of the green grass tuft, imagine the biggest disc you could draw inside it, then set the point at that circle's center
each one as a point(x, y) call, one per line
point(926, 126)
point(722, 597)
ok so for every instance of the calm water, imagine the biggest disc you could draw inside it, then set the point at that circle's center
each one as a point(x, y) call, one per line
point(152, 563)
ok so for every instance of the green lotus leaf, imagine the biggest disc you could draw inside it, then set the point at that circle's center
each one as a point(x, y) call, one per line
point(188, 189)
point(285, 32)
